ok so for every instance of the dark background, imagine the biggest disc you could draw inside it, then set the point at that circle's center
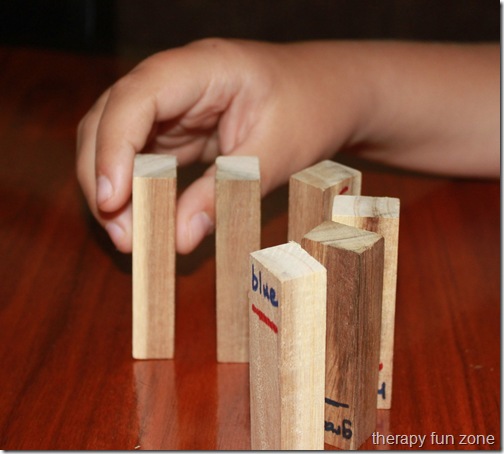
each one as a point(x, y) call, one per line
point(140, 27)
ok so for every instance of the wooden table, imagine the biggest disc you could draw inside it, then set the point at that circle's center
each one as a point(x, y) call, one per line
point(67, 379)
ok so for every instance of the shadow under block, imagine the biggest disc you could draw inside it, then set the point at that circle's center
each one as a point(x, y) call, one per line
point(287, 310)
point(154, 204)
point(238, 233)
point(354, 262)
point(379, 215)
point(311, 193)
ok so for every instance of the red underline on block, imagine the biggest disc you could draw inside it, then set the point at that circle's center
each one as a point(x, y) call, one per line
point(264, 318)
point(345, 189)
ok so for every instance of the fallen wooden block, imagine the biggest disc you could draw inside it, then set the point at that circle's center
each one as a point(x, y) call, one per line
point(287, 349)
point(238, 233)
point(354, 262)
point(379, 215)
point(154, 204)
point(311, 193)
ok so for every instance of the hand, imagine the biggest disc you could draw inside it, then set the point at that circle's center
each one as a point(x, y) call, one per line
point(291, 105)
point(210, 97)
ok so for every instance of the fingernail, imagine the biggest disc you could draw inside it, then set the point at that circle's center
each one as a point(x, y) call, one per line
point(199, 226)
point(104, 189)
point(115, 232)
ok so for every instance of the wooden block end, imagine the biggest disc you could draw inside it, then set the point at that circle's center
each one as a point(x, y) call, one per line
point(331, 233)
point(295, 261)
point(366, 206)
point(155, 166)
point(237, 168)
point(326, 174)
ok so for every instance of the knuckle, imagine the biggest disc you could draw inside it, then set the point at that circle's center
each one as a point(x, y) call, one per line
point(124, 85)
point(222, 47)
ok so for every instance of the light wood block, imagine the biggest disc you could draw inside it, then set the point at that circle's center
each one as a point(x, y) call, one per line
point(354, 262)
point(238, 233)
point(379, 215)
point(154, 205)
point(287, 349)
point(311, 193)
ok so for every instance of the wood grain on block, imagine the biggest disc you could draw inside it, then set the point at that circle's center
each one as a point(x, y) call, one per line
point(154, 206)
point(311, 192)
point(287, 309)
point(354, 262)
point(238, 233)
point(379, 215)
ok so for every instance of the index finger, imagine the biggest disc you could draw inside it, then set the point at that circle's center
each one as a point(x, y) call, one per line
point(164, 87)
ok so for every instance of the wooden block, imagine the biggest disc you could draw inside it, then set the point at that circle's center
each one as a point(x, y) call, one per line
point(287, 349)
point(238, 233)
point(354, 262)
point(311, 194)
point(379, 215)
point(154, 204)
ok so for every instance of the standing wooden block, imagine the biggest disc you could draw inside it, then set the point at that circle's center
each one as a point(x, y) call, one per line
point(287, 349)
point(238, 233)
point(311, 193)
point(379, 215)
point(154, 203)
point(354, 262)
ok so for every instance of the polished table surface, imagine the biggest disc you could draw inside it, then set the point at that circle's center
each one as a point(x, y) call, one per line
point(67, 379)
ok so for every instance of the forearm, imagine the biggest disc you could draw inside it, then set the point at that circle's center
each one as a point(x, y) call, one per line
point(439, 108)
point(427, 107)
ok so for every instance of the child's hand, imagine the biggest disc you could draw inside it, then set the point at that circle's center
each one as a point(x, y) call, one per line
point(428, 107)
point(210, 97)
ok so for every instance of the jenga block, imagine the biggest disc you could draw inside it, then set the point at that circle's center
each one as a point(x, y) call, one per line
point(154, 203)
point(287, 349)
point(379, 215)
point(311, 193)
point(354, 262)
point(238, 233)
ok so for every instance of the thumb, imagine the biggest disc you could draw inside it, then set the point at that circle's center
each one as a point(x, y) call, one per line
point(196, 212)
point(196, 206)
point(196, 209)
